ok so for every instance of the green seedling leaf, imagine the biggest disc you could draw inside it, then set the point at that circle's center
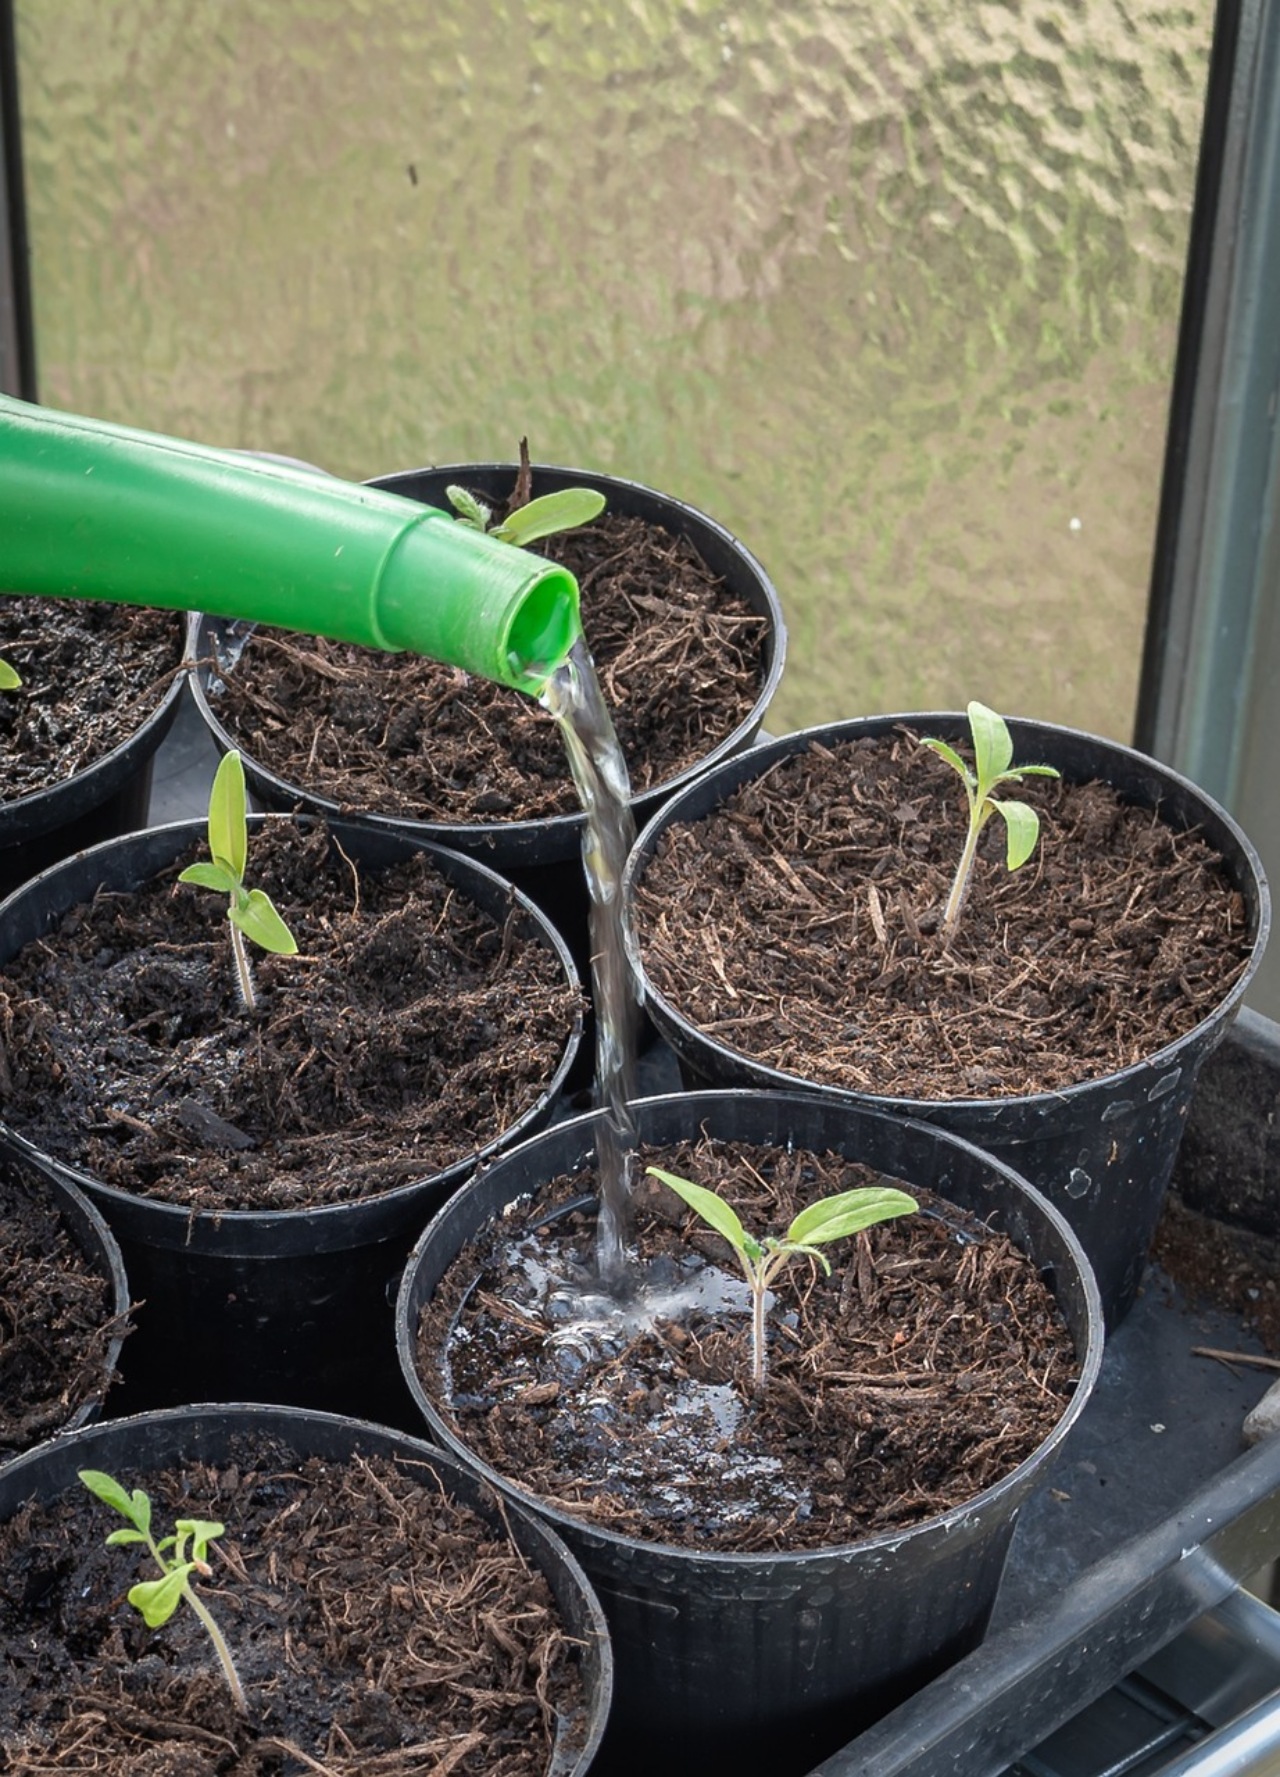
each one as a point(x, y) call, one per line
point(158, 1599)
point(952, 758)
point(211, 876)
point(228, 826)
point(468, 509)
point(9, 680)
point(109, 1491)
point(202, 1532)
point(790, 1249)
point(135, 1506)
point(831, 1218)
point(992, 745)
point(849, 1212)
point(549, 513)
point(713, 1210)
point(543, 517)
point(1022, 825)
point(257, 918)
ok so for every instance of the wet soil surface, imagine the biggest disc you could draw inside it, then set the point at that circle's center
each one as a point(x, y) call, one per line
point(378, 1629)
point(928, 1365)
point(90, 673)
point(1220, 1266)
point(680, 659)
point(410, 1030)
point(799, 925)
point(56, 1315)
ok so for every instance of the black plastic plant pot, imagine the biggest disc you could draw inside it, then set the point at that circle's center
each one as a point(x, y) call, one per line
point(745, 1663)
point(543, 857)
point(107, 798)
point(149, 1443)
point(100, 1250)
point(291, 1305)
point(1102, 1151)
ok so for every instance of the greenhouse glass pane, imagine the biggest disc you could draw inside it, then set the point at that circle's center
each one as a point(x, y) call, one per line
point(889, 289)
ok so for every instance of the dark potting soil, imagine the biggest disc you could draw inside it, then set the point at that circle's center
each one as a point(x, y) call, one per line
point(91, 674)
point(56, 1316)
point(799, 924)
point(1220, 1266)
point(927, 1366)
point(410, 1030)
point(680, 660)
point(376, 1628)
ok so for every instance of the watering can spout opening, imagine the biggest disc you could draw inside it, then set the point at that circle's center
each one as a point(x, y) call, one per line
point(544, 630)
point(462, 596)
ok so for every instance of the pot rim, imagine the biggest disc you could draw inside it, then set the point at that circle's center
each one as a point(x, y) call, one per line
point(770, 752)
point(1016, 1481)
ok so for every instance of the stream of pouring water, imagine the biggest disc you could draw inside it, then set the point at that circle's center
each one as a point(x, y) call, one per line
point(573, 696)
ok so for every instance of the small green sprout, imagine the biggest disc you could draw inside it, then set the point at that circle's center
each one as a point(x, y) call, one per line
point(830, 1218)
point(540, 518)
point(251, 912)
point(158, 1599)
point(9, 680)
point(993, 765)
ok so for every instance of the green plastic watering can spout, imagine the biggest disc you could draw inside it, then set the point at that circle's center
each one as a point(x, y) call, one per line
point(96, 511)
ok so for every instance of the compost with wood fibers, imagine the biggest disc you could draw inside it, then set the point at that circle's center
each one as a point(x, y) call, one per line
point(91, 674)
point(799, 925)
point(378, 1629)
point(924, 1369)
point(410, 1030)
point(56, 1316)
